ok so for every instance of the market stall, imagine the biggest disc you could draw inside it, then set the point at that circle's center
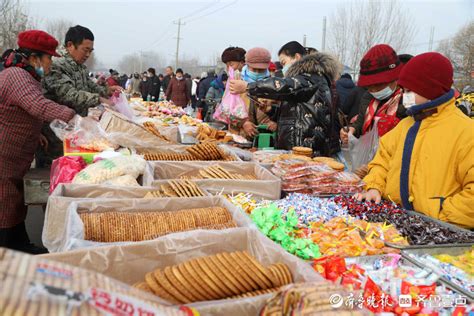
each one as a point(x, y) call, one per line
point(170, 205)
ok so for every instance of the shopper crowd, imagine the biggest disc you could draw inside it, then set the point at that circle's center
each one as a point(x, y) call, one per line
point(424, 156)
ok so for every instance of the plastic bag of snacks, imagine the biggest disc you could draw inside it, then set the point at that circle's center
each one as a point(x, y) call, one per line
point(83, 132)
point(64, 169)
point(108, 169)
point(32, 285)
point(232, 107)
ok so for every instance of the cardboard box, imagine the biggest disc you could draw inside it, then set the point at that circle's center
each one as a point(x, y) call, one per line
point(129, 263)
point(31, 285)
point(266, 186)
point(128, 134)
point(64, 230)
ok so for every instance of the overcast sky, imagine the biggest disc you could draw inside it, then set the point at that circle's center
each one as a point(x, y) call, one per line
point(124, 27)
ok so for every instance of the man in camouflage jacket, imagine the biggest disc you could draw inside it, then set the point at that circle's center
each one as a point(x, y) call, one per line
point(68, 83)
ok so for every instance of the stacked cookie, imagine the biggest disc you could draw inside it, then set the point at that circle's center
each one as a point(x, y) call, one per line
point(113, 226)
point(151, 128)
point(303, 151)
point(168, 157)
point(224, 275)
point(218, 172)
point(177, 188)
point(331, 162)
point(307, 299)
point(205, 133)
point(208, 151)
point(201, 152)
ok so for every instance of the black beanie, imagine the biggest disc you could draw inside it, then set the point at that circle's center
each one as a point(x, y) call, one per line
point(233, 54)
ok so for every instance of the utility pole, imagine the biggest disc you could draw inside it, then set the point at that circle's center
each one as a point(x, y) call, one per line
point(304, 40)
point(323, 46)
point(431, 39)
point(141, 61)
point(178, 38)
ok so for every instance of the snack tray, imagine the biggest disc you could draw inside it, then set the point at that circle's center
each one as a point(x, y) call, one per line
point(450, 249)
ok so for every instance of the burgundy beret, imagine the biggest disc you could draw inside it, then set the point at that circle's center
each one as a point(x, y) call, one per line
point(39, 41)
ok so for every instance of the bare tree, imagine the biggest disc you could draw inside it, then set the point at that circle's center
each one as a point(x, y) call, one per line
point(58, 28)
point(460, 50)
point(355, 27)
point(14, 19)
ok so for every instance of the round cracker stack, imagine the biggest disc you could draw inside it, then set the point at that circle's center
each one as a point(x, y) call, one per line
point(220, 276)
point(331, 162)
point(307, 299)
point(303, 151)
point(115, 226)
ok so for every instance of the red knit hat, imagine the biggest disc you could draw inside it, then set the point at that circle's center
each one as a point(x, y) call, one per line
point(379, 65)
point(38, 41)
point(258, 58)
point(429, 75)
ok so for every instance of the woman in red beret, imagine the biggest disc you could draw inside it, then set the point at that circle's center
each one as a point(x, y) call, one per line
point(379, 71)
point(23, 109)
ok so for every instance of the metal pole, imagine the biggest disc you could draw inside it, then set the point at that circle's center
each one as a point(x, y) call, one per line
point(323, 46)
point(304, 40)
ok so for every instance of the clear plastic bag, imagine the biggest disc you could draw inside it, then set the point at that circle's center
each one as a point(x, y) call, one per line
point(108, 169)
point(122, 106)
point(84, 132)
point(363, 149)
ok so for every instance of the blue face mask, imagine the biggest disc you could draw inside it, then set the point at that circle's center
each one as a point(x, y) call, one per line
point(285, 69)
point(255, 76)
point(383, 94)
point(39, 71)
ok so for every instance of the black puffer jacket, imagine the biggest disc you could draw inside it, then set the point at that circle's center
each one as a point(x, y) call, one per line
point(308, 116)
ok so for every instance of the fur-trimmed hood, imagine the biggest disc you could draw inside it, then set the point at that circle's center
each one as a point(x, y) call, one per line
point(316, 63)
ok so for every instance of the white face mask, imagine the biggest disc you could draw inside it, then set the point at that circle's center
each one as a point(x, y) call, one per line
point(409, 99)
point(383, 94)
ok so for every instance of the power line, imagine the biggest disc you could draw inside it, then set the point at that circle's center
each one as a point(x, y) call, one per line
point(212, 12)
point(168, 29)
point(162, 36)
point(200, 10)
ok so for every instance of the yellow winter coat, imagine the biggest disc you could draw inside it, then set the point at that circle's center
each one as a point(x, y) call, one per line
point(441, 168)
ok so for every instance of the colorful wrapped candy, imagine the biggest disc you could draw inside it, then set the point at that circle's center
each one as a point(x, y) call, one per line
point(268, 219)
point(244, 201)
point(418, 230)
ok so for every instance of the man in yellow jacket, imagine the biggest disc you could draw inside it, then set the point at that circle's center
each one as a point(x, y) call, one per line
point(426, 163)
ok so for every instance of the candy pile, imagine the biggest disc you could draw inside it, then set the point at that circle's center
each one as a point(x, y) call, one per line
point(347, 237)
point(284, 232)
point(244, 201)
point(418, 230)
point(464, 262)
point(315, 178)
point(458, 276)
point(383, 279)
point(310, 208)
point(309, 226)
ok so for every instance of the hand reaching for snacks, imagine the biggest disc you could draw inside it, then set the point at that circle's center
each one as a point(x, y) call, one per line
point(250, 129)
point(111, 90)
point(238, 86)
point(371, 195)
point(272, 126)
point(106, 101)
point(345, 134)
